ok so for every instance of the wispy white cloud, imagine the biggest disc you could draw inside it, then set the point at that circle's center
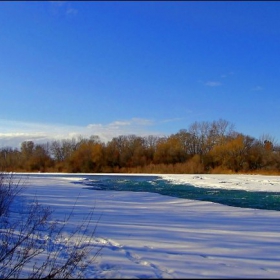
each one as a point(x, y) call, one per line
point(13, 133)
point(257, 88)
point(227, 75)
point(213, 84)
point(71, 11)
point(62, 8)
point(172, 120)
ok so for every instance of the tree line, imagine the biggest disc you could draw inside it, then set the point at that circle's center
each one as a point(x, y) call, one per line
point(205, 147)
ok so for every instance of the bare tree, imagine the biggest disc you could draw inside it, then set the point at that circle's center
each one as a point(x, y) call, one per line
point(33, 245)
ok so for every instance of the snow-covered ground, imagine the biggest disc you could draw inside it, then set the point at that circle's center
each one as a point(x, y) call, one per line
point(148, 235)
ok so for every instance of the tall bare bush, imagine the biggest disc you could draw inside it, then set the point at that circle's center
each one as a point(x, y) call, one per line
point(33, 245)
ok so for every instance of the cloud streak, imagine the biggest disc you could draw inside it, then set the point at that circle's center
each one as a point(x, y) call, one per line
point(13, 133)
point(62, 8)
point(213, 84)
point(257, 88)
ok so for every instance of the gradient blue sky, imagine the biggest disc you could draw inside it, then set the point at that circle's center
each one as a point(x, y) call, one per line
point(112, 68)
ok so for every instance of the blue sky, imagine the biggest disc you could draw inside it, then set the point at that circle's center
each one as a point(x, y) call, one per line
point(113, 68)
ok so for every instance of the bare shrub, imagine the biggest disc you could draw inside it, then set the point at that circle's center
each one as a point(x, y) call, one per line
point(8, 191)
point(33, 245)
